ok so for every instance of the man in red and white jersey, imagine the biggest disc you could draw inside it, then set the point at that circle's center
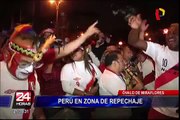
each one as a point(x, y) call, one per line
point(166, 62)
point(17, 72)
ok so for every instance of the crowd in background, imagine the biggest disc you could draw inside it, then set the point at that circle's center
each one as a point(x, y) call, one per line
point(95, 68)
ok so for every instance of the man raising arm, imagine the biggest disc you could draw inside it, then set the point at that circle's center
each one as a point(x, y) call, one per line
point(166, 60)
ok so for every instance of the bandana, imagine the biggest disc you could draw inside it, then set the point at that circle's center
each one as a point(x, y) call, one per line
point(37, 56)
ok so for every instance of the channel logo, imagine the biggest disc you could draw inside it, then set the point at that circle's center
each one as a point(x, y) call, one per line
point(23, 99)
point(160, 12)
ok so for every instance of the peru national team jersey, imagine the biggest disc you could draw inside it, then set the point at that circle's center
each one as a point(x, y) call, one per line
point(110, 83)
point(74, 75)
point(164, 60)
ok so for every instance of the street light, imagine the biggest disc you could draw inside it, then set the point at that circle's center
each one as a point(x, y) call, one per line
point(120, 43)
point(57, 3)
point(149, 39)
point(165, 31)
point(146, 34)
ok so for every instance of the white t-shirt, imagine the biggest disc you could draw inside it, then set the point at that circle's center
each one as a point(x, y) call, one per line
point(110, 83)
point(94, 59)
point(164, 59)
point(146, 68)
point(74, 75)
point(8, 86)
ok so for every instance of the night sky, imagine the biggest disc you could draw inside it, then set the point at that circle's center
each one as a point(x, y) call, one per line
point(77, 15)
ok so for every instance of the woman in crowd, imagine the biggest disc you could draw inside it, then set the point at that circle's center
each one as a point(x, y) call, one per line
point(79, 78)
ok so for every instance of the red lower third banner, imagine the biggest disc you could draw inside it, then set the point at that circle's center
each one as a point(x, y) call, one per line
point(149, 92)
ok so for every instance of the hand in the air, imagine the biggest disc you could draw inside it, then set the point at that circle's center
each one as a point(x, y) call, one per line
point(92, 29)
point(48, 42)
point(135, 21)
point(144, 26)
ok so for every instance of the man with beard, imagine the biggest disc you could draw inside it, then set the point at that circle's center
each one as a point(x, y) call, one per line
point(166, 63)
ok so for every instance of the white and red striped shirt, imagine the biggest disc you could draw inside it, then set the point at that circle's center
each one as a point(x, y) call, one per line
point(164, 60)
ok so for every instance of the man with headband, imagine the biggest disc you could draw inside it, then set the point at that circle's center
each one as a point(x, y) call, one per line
point(21, 58)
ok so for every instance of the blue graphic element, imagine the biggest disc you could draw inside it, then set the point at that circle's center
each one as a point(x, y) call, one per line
point(5, 101)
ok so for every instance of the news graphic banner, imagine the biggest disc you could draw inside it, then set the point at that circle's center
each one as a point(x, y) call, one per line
point(158, 98)
point(22, 99)
point(89, 101)
point(126, 98)
point(149, 92)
